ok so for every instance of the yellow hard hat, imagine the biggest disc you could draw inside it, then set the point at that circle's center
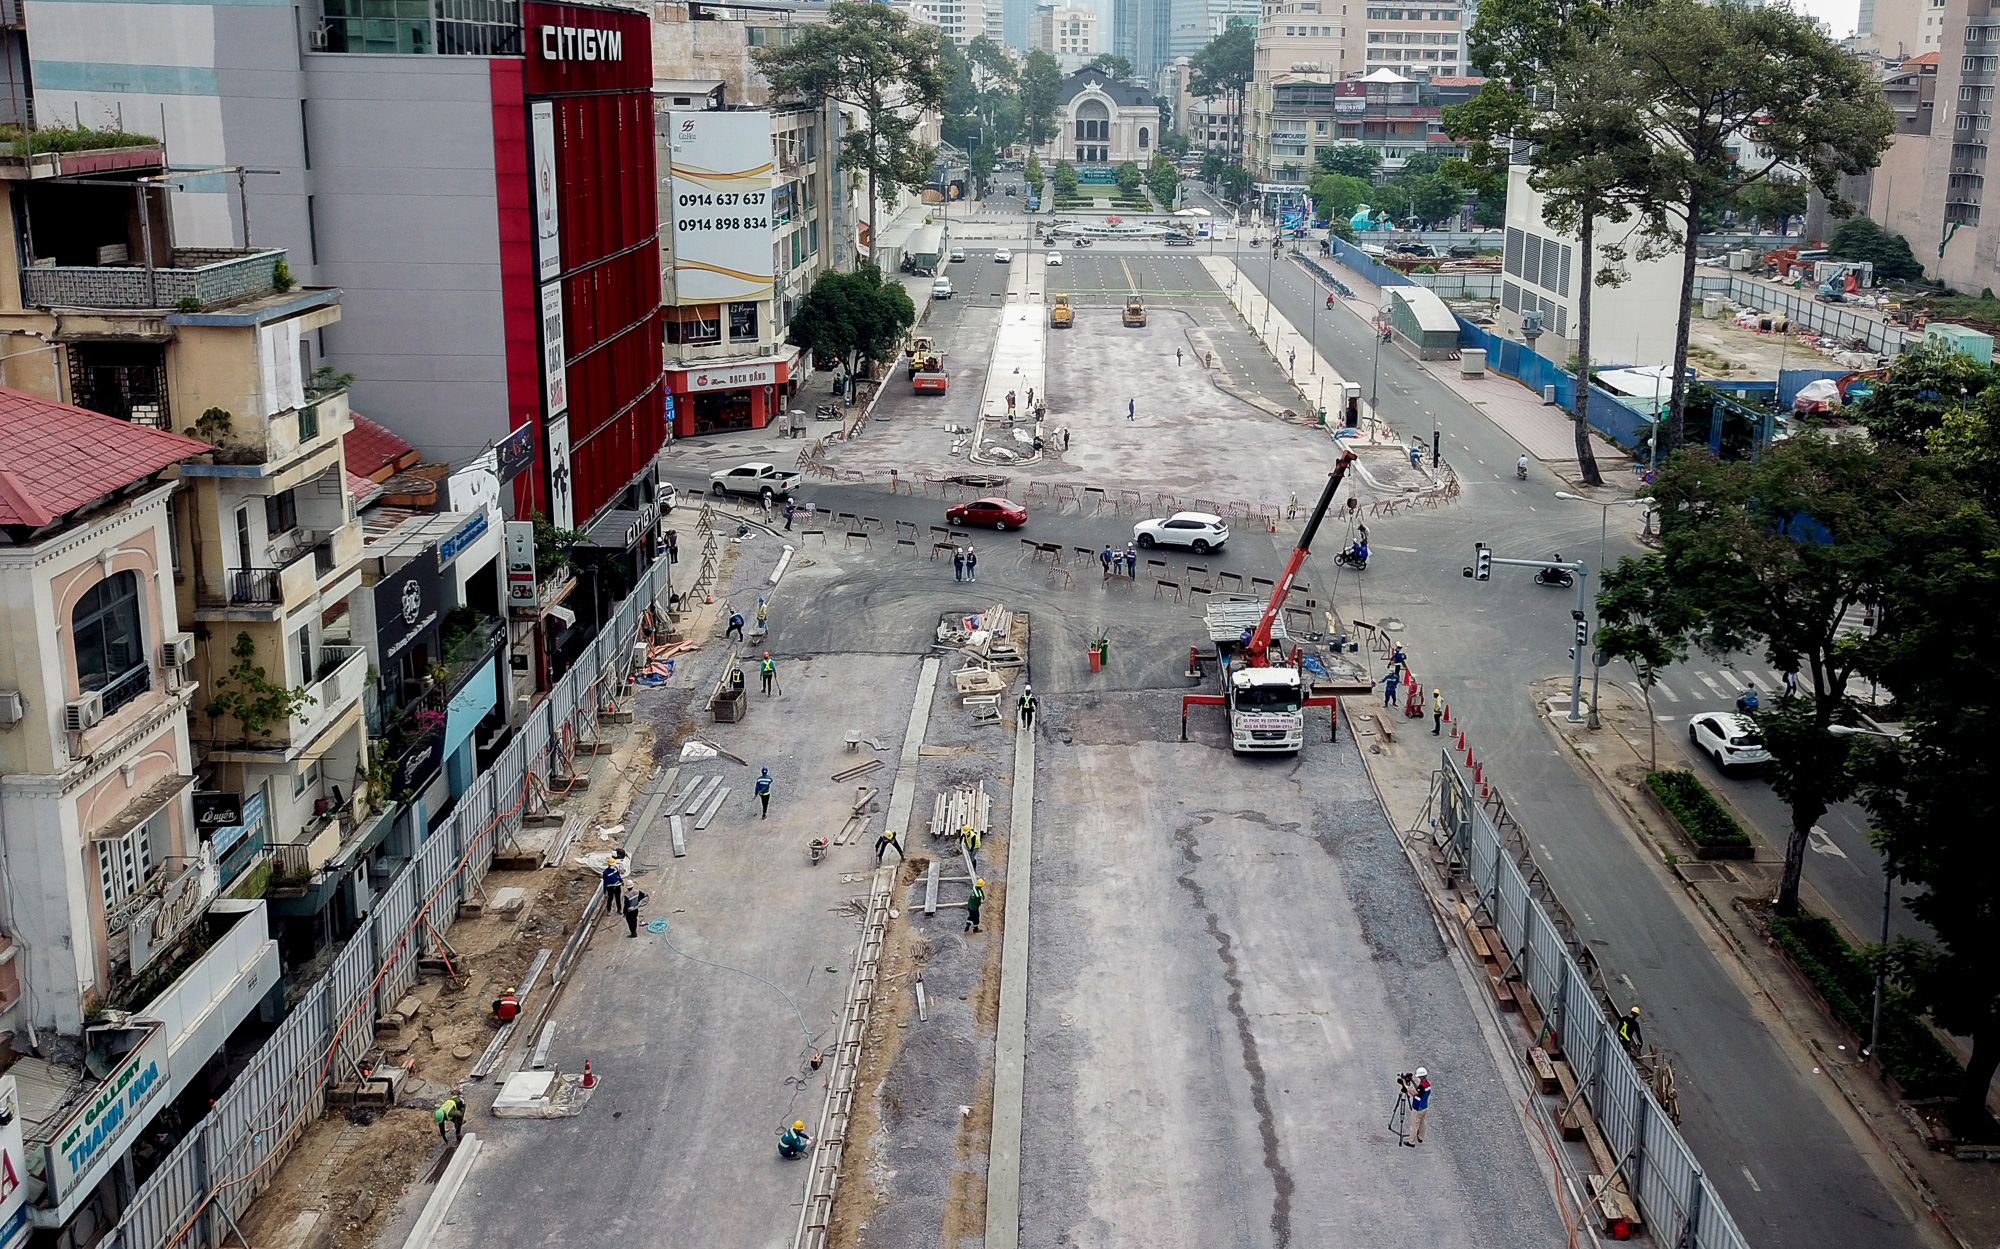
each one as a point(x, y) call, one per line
point(980, 883)
point(798, 1125)
point(1635, 1010)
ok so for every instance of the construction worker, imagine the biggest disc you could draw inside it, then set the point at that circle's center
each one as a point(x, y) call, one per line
point(614, 885)
point(971, 836)
point(1437, 712)
point(887, 841)
point(769, 671)
point(735, 626)
point(763, 793)
point(634, 899)
point(1389, 684)
point(971, 563)
point(795, 1141)
point(506, 1006)
point(1628, 1032)
point(973, 901)
point(763, 616)
point(735, 678)
point(451, 1110)
point(1027, 708)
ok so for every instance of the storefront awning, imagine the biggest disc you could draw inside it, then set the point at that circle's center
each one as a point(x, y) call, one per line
point(142, 808)
point(620, 528)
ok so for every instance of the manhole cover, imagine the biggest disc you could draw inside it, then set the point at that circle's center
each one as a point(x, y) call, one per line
point(1391, 625)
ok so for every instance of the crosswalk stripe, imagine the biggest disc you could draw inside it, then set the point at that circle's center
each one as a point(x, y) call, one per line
point(1661, 687)
point(1709, 681)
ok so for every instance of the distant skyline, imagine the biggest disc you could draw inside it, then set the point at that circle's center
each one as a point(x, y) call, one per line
point(1839, 15)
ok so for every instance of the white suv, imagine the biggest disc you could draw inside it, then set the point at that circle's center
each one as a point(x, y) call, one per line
point(1200, 532)
point(1730, 739)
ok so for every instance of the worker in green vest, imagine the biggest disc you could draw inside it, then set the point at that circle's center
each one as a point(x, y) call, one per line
point(451, 1110)
point(769, 671)
point(973, 901)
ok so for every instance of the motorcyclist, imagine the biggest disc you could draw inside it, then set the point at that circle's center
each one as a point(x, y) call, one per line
point(1329, 301)
point(1357, 553)
point(1554, 573)
point(1521, 468)
point(1747, 701)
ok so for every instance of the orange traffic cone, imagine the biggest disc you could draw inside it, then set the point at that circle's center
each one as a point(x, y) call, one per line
point(589, 1077)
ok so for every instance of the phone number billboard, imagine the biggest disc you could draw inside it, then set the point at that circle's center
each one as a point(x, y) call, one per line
point(721, 170)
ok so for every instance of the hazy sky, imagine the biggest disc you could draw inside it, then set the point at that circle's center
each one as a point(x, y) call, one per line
point(1838, 14)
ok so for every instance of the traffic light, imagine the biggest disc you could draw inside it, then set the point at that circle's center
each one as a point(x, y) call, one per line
point(1582, 633)
point(1483, 560)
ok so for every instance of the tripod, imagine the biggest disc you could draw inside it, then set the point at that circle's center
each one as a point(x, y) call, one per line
point(1399, 1118)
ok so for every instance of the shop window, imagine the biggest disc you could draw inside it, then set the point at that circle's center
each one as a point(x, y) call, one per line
point(742, 321)
point(110, 648)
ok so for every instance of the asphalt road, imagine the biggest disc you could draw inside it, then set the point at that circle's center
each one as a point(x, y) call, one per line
point(1765, 1125)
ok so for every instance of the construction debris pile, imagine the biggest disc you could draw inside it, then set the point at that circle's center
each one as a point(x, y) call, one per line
point(991, 657)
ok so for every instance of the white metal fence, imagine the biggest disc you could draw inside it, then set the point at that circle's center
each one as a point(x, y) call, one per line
point(1680, 1206)
point(219, 1168)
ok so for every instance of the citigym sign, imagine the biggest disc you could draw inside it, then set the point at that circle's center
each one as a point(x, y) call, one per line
point(582, 43)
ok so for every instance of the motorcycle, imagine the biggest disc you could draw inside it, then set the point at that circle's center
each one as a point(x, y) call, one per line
point(1329, 301)
point(1351, 559)
point(1559, 577)
point(1080, 241)
point(1520, 472)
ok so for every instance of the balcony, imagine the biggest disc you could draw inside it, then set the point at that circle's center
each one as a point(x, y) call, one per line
point(273, 443)
point(206, 275)
point(342, 669)
point(304, 874)
point(64, 151)
point(464, 653)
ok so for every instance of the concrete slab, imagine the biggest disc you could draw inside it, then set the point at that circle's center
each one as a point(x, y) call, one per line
point(1231, 962)
point(525, 1093)
point(701, 1061)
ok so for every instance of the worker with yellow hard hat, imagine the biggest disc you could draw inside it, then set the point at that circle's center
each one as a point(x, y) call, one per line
point(794, 1142)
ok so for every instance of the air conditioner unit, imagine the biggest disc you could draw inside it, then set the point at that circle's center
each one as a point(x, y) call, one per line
point(316, 39)
point(10, 708)
point(177, 651)
point(84, 713)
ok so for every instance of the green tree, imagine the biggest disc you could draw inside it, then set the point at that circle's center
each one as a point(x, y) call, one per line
point(1644, 620)
point(1223, 67)
point(1431, 198)
point(1335, 196)
point(1932, 821)
point(1163, 180)
point(1923, 387)
point(980, 166)
point(873, 57)
point(1717, 82)
point(1356, 160)
point(1236, 182)
point(1041, 96)
point(247, 693)
point(1418, 163)
point(1212, 164)
point(1065, 179)
point(1115, 66)
point(1034, 172)
point(1128, 178)
point(1858, 238)
point(1772, 202)
point(1175, 144)
point(854, 316)
point(1773, 554)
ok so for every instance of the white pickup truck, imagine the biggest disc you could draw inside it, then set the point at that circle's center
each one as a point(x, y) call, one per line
point(758, 480)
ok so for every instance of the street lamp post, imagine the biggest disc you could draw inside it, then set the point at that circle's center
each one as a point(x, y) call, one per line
point(1603, 526)
point(1888, 893)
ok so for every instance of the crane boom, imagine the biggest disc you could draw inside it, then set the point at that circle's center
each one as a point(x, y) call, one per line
point(1260, 641)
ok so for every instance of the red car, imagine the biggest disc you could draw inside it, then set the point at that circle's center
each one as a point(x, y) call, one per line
point(999, 513)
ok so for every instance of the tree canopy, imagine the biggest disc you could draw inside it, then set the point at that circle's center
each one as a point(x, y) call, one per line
point(854, 316)
point(1858, 239)
point(1116, 66)
point(1356, 160)
point(1041, 95)
point(1223, 67)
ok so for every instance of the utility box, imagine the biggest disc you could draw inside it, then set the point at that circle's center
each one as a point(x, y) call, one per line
point(1350, 404)
point(1472, 362)
point(1972, 344)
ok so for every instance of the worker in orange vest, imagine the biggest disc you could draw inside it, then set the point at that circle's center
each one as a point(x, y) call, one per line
point(506, 1006)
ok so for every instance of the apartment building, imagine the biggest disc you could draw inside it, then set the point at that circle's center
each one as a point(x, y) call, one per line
point(1931, 183)
point(126, 970)
point(1427, 40)
point(1067, 31)
point(1300, 54)
point(477, 180)
point(1897, 29)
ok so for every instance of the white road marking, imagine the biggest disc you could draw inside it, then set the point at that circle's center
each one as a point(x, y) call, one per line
point(1822, 841)
point(1753, 1179)
point(1661, 687)
point(1705, 679)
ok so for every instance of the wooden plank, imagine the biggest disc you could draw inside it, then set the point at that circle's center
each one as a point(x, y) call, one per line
point(541, 1058)
point(858, 769)
point(1545, 1071)
point(714, 805)
point(680, 836)
point(1477, 940)
point(706, 786)
point(1566, 1081)
point(931, 889)
point(1503, 993)
point(923, 1004)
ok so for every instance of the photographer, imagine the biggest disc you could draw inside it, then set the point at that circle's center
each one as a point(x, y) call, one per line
point(1417, 1086)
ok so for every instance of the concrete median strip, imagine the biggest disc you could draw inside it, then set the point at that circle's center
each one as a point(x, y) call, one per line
point(1003, 1151)
point(448, 1185)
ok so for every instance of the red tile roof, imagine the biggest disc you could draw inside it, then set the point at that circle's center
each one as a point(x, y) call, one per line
point(1928, 58)
point(59, 458)
point(374, 452)
point(1456, 82)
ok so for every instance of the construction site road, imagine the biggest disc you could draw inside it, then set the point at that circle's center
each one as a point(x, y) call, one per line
point(1232, 962)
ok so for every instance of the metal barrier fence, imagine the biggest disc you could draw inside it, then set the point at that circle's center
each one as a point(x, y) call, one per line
point(220, 1167)
point(1680, 1206)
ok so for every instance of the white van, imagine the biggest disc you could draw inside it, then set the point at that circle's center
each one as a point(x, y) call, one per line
point(941, 288)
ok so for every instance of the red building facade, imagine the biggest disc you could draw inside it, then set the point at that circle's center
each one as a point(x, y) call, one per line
point(576, 183)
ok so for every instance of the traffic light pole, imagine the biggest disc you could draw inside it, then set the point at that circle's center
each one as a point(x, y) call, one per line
point(1576, 568)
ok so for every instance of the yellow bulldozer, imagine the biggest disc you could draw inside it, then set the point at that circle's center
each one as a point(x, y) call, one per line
point(1060, 317)
point(1135, 312)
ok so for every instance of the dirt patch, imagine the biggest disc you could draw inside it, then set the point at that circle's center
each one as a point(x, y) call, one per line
point(862, 1186)
point(356, 1163)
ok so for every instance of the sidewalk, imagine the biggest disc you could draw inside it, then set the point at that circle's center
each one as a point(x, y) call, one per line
point(1544, 431)
point(1963, 1197)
